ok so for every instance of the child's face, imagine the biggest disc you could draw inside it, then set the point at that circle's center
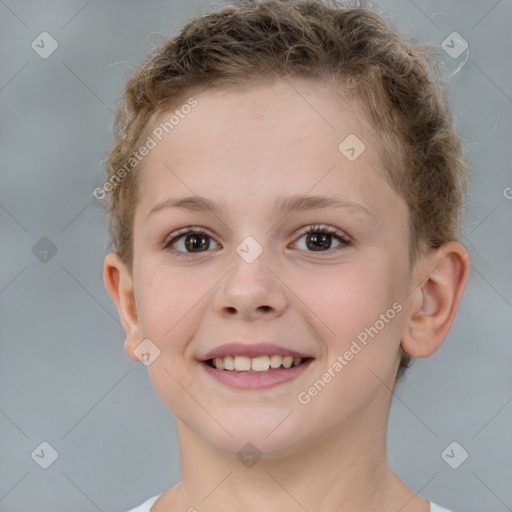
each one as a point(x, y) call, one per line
point(245, 151)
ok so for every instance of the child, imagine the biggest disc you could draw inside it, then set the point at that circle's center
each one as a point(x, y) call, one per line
point(284, 197)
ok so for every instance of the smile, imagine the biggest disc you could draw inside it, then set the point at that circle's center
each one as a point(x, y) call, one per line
point(255, 373)
point(254, 364)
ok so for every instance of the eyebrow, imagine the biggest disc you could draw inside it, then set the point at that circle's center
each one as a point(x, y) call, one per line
point(281, 205)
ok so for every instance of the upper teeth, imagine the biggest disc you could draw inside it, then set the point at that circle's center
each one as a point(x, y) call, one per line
point(256, 364)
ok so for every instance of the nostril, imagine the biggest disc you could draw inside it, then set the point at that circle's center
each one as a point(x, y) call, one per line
point(265, 308)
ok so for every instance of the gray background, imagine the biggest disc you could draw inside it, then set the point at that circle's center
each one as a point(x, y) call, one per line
point(64, 377)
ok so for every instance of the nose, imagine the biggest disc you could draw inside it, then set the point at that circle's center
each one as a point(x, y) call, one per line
point(251, 291)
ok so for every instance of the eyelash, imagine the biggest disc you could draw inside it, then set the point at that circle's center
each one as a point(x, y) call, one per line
point(322, 229)
point(174, 237)
point(344, 240)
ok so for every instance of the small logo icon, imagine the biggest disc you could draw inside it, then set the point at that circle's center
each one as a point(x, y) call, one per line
point(45, 455)
point(147, 352)
point(507, 192)
point(249, 455)
point(44, 250)
point(351, 147)
point(44, 45)
point(454, 455)
point(249, 249)
point(454, 45)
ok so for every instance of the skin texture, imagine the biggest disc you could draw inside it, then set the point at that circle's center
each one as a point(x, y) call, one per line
point(244, 150)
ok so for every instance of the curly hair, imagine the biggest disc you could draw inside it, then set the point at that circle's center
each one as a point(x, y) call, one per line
point(352, 50)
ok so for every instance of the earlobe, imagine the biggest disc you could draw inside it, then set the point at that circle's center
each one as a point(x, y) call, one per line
point(119, 283)
point(434, 303)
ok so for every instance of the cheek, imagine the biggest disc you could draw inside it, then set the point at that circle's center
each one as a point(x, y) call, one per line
point(168, 301)
point(357, 312)
point(348, 298)
point(164, 299)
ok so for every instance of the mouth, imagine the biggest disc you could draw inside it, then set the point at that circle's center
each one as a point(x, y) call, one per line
point(260, 364)
point(255, 373)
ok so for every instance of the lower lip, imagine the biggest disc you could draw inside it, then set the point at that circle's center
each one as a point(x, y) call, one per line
point(263, 380)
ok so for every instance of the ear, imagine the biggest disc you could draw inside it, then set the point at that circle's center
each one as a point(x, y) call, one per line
point(442, 275)
point(119, 283)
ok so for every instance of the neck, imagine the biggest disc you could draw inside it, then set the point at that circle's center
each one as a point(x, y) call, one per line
point(345, 470)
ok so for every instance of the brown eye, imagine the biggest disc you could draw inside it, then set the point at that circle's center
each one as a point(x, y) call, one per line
point(318, 241)
point(322, 239)
point(197, 243)
point(191, 241)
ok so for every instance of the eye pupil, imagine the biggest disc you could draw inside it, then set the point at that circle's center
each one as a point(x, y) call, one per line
point(196, 242)
point(319, 241)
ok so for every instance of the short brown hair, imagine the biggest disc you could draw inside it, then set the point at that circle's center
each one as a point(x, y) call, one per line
point(352, 50)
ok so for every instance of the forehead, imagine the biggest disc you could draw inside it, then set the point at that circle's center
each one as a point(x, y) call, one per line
point(279, 139)
point(297, 111)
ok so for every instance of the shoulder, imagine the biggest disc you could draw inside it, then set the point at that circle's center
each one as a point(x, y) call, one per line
point(146, 506)
point(437, 508)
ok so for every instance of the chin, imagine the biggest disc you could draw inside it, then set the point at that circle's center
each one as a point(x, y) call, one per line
point(269, 437)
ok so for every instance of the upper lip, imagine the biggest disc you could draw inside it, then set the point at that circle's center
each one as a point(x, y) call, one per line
point(251, 350)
